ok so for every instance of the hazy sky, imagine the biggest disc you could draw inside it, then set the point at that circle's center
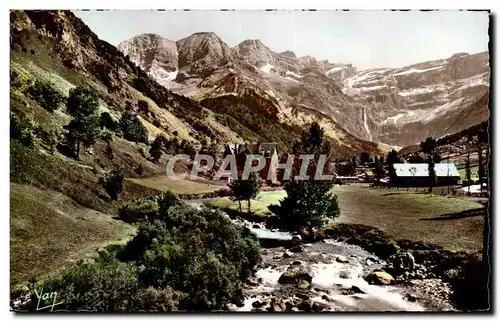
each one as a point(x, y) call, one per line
point(367, 39)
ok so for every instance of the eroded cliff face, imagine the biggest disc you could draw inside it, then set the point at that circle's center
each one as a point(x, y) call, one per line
point(395, 106)
point(433, 98)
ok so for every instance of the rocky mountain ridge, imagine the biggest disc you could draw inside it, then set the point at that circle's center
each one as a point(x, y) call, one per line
point(419, 100)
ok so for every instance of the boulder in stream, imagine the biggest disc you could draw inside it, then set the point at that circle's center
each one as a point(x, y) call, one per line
point(380, 278)
point(319, 306)
point(253, 281)
point(404, 261)
point(303, 285)
point(353, 290)
point(298, 249)
point(293, 276)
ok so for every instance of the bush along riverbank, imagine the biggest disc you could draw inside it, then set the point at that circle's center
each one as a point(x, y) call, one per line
point(181, 259)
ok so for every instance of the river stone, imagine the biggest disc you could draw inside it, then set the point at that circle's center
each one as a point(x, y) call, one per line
point(294, 309)
point(305, 305)
point(239, 302)
point(303, 296)
point(380, 278)
point(296, 238)
point(297, 249)
point(231, 307)
point(258, 304)
point(404, 261)
point(293, 276)
point(297, 262)
point(253, 281)
point(411, 297)
point(353, 290)
point(319, 306)
point(303, 285)
point(344, 274)
point(288, 254)
point(257, 226)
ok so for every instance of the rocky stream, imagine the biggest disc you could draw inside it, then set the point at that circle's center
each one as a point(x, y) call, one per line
point(328, 275)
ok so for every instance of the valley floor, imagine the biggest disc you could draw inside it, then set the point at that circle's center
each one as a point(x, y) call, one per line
point(456, 223)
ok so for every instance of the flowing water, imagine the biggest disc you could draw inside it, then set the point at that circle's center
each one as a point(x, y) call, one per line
point(335, 268)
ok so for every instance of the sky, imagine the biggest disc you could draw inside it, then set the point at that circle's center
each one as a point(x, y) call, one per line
point(367, 39)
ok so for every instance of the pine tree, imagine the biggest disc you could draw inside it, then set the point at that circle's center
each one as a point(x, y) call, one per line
point(309, 203)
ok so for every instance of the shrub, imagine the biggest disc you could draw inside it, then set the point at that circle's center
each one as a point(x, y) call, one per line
point(102, 286)
point(46, 95)
point(132, 128)
point(106, 121)
point(113, 183)
point(143, 106)
point(160, 300)
point(138, 209)
point(21, 130)
point(157, 146)
point(156, 123)
point(199, 253)
point(107, 136)
point(194, 260)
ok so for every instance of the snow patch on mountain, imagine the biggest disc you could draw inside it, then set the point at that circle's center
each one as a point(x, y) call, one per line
point(335, 69)
point(267, 68)
point(291, 73)
point(372, 88)
point(413, 70)
point(421, 115)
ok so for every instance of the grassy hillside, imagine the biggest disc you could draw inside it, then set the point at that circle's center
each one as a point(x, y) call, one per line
point(48, 229)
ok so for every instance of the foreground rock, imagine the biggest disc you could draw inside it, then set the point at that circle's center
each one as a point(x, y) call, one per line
point(297, 249)
point(253, 281)
point(380, 278)
point(294, 275)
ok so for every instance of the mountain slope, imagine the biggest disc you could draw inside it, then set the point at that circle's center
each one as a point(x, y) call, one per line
point(420, 100)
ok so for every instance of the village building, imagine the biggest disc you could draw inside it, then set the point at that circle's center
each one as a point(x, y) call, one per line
point(268, 150)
